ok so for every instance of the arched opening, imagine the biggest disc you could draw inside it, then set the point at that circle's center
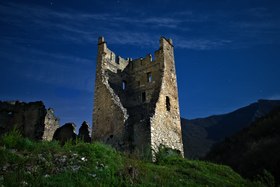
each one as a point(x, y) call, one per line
point(167, 103)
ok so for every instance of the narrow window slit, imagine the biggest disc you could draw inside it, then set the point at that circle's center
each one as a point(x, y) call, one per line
point(124, 85)
point(149, 77)
point(167, 103)
point(143, 97)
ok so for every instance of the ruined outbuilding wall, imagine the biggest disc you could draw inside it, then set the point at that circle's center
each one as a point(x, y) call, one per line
point(32, 119)
point(130, 109)
point(51, 123)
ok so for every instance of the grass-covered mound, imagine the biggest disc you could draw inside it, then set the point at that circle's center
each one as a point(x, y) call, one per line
point(27, 163)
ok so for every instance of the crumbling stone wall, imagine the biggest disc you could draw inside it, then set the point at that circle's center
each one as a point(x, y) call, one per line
point(166, 124)
point(136, 101)
point(32, 119)
point(84, 132)
point(109, 113)
point(51, 124)
point(65, 133)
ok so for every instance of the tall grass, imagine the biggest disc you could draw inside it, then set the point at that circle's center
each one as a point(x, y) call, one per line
point(27, 163)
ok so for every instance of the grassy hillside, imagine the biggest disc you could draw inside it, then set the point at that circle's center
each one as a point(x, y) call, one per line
point(27, 163)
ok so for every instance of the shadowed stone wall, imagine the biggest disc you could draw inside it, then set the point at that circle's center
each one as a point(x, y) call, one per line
point(32, 119)
point(136, 101)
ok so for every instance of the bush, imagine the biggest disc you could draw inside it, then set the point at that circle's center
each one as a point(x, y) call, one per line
point(12, 139)
point(165, 153)
point(266, 178)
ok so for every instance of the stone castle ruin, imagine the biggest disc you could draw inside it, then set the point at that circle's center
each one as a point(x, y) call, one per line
point(32, 119)
point(136, 105)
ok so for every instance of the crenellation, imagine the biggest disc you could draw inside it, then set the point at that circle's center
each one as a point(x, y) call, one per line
point(101, 40)
point(165, 42)
point(140, 64)
point(136, 101)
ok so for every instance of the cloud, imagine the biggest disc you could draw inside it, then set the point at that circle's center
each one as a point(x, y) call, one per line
point(200, 44)
point(189, 29)
point(274, 97)
point(55, 73)
point(49, 68)
point(76, 27)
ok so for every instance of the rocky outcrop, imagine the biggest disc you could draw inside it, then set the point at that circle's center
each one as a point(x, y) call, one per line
point(65, 133)
point(32, 119)
point(84, 132)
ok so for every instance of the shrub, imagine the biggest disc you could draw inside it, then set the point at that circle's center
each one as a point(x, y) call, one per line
point(165, 153)
point(11, 139)
point(266, 178)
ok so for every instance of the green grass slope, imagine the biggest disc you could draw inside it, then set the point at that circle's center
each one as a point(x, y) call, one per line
point(27, 163)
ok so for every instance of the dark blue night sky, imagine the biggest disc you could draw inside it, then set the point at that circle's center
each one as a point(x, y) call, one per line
point(227, 52)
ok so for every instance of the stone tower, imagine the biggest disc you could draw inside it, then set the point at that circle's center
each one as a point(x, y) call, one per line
point(136, 105)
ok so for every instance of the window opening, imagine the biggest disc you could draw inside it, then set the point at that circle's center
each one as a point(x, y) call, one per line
point(143, 97)
point(117, 59)
point(149, 77)
point(167, 103)
point(123, 85)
